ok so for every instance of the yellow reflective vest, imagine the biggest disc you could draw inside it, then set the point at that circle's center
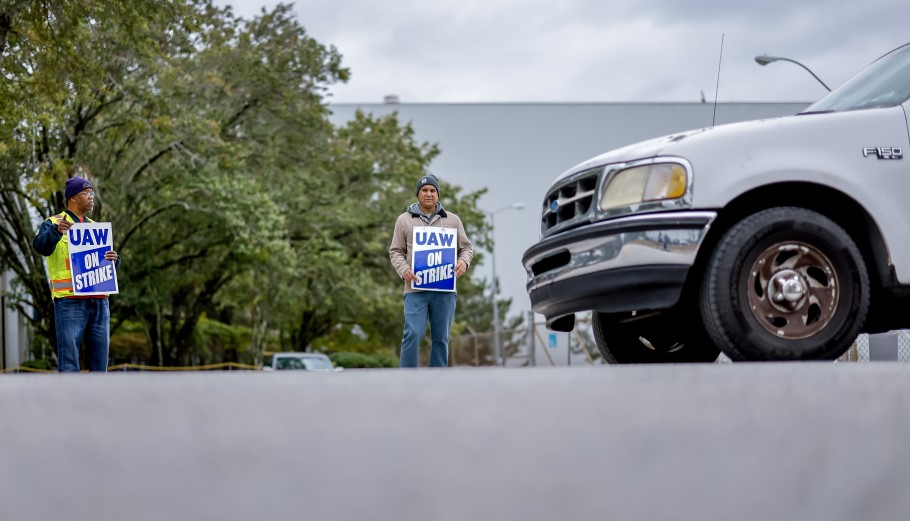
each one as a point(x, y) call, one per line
point(58, 264)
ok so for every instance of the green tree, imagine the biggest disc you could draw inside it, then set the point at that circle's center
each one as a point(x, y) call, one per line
point(155, 101)
point(64, 64)
point(240, 138)
point(346, 296)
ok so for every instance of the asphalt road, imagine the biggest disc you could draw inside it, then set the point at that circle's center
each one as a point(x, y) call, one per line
point(733, 442)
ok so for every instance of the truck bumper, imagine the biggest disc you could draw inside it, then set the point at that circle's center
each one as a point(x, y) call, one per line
point(627, 264)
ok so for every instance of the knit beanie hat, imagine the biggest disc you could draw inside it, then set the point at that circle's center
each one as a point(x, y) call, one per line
point(428, 179)
point(74, 185)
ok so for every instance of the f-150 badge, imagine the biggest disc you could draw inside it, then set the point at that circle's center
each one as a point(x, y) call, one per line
point(884, 152)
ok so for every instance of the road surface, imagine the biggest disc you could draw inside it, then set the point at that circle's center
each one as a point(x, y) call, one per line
point(803, 441)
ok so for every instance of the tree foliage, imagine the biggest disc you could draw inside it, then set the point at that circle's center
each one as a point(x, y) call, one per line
point(233, 198)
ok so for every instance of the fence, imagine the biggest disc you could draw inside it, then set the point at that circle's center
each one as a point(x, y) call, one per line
point(894, 346)
point(225, 366)
point(526, 346)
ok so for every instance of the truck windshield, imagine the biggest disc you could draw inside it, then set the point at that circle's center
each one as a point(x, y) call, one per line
point(884, 83)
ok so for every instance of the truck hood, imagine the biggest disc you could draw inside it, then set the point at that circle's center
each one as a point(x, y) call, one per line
point(823, 148)
point(671, 144)
point(831, 149)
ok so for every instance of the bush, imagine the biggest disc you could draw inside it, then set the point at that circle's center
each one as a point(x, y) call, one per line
point(386, 359)
point(351, 360)
point(43, 363)
point(130, 347)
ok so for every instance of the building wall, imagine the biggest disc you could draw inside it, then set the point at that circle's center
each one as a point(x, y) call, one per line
point(515, 150)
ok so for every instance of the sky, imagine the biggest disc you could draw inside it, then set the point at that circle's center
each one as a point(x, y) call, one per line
point(593, 51)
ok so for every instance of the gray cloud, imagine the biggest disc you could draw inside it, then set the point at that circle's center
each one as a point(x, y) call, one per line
point(588, 50)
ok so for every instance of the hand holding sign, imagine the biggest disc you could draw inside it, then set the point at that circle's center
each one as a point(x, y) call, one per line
point(63, 225)
point(460, 268)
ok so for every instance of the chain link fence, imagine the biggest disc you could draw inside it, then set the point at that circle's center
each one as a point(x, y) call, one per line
point(891, 346)
point(526, 346)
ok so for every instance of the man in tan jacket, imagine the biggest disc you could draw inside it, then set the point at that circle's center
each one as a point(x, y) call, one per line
point(437, 307)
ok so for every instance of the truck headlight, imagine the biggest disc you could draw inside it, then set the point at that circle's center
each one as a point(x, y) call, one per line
point(655, 182)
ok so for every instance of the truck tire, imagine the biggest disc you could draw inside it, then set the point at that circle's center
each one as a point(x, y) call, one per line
point(785, 284)
point(658, 337)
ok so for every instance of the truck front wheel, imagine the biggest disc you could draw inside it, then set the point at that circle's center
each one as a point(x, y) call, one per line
point(785, 284)
point(655, 337)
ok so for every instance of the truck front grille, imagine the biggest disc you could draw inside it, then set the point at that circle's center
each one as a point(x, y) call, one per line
point(570, 202)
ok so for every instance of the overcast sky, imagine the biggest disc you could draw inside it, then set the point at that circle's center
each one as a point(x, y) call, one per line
point(590, 50)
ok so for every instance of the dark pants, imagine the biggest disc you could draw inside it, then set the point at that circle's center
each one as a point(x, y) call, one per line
point(75, 319)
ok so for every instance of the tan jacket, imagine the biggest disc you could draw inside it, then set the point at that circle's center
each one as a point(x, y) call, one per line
point(400, 251)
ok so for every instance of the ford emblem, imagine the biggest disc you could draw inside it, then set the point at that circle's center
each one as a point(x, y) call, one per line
point(554, 205)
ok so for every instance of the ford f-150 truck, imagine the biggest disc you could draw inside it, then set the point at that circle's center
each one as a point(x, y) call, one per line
point(778, 239)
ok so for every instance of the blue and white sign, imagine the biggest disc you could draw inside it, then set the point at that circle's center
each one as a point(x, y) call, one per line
point(92, 273)
point(435, 253)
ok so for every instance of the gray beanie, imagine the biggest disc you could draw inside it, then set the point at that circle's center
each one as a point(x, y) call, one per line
point(428, 179)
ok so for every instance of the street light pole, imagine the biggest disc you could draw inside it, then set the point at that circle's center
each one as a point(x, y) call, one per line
point(497, 349)
point(764, 59)
point(497, 346)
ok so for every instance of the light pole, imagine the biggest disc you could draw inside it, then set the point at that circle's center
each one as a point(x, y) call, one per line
point(497, 348)
point(764, 59)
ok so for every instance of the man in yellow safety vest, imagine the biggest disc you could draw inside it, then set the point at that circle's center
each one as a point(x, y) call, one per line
point(75, 316)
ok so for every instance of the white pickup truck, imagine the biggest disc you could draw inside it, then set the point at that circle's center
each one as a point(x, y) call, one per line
point(777, 239)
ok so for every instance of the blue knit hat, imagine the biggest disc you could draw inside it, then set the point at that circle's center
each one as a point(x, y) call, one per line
point(74, 185)
point(428, 179)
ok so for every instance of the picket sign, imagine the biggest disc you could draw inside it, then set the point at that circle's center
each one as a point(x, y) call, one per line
point(92, 273)
point(435, 253)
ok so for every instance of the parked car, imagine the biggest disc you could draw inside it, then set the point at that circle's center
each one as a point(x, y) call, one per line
point(297, 361)
point(778, 239)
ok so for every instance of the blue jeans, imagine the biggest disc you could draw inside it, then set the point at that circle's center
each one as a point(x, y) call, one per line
point(439, 309)
point(76, 318)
